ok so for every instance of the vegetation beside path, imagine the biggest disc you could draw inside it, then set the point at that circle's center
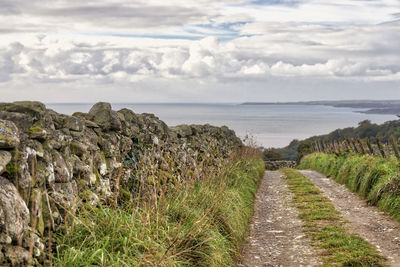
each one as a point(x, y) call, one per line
point(326, 228)
point(199, 223)
point(374, 178)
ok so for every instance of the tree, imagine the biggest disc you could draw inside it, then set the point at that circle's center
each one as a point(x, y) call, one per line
point(272, 155)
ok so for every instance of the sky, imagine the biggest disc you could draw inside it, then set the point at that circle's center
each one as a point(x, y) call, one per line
point(199, 50)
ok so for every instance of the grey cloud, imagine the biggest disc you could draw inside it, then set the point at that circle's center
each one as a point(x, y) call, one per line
point(100, 15)
point(276, 50)
point(127, 16)
point(203, 59)
point(9, 64)
point(10, 7)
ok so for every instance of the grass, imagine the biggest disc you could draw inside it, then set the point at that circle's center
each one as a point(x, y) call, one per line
point(374, 178)
point(326, 228)
point(201, 223)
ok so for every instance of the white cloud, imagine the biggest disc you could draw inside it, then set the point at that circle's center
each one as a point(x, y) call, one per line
point(352, 52)
point(125, 44)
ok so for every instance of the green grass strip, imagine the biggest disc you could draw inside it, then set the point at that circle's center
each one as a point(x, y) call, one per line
point(199, 224)
point(375, 179)
point(326, 228)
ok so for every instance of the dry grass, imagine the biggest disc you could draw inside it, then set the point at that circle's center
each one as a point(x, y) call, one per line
point(173, 217)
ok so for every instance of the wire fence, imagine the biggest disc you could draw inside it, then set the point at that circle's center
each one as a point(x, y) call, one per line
point(360, 146)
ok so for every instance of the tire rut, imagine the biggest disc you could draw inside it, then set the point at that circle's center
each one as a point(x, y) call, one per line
point(275, 236)
point(365, 220)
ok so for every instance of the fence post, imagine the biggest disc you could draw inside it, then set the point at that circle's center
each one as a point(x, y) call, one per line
point(344, 146)
point(380, 147)
point(318, 146)
point(321, 149)
point(371, 150)
point(331, 147)
point(361, 146)
point(323, 146)
point(337, 146)
point(395, 148)
point(340, 146)
point(355, 146)
point(348, 145)
point(335, 149)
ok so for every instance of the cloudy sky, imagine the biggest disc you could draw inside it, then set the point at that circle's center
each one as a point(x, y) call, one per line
point(199, 50)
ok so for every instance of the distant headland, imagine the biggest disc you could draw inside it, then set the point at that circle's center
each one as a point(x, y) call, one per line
point(368, 106)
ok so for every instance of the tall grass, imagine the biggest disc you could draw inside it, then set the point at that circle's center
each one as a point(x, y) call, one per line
point(374, 178)
point(200, 222)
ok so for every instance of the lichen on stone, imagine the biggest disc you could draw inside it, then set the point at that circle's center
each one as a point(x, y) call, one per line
point(66, 162)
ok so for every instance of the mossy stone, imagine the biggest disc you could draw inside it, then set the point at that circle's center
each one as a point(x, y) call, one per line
point(9, 138)
point(36, 129)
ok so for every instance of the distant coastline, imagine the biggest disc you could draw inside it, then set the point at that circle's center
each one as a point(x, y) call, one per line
point(387, 107)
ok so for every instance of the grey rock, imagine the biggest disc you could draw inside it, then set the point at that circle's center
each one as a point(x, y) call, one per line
point(38, 133)
point(32, 108)
point(14, 214)
point(17, 256)
point(83, 116)
point(65, 196)
point(44, 173)
point(22, 121)
point(73, 123)
point(78, 148)
point(95, 152)
point(36, 148)
point(9, 137)
point(5, 239)
point(91, 124)
point(128, 115)
point(183, 131)
point(5, 158)
point(105, 117)
point(61, 171)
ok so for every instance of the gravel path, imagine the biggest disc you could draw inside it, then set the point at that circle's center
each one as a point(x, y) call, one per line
point(367, 221)
point(275, 236)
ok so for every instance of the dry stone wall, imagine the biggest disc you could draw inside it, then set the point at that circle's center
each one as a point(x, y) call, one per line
point(51, 164)
point(279, 164)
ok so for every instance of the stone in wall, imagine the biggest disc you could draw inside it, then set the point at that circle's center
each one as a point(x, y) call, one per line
point(51, 164)
point(279, 164)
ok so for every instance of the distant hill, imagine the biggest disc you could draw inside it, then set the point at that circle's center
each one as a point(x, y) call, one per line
point(372, 106)
point(296, 149)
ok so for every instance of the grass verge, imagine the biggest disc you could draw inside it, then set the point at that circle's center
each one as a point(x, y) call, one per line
point(324, 225)
point(373, 178)
point(201, 223)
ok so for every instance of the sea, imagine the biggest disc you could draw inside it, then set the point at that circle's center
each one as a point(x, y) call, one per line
point(264, 125)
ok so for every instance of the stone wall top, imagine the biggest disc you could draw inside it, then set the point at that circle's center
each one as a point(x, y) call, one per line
point(51, 164)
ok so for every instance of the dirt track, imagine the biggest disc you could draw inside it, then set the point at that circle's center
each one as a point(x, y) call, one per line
point(367, 221)
point(276, 237)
